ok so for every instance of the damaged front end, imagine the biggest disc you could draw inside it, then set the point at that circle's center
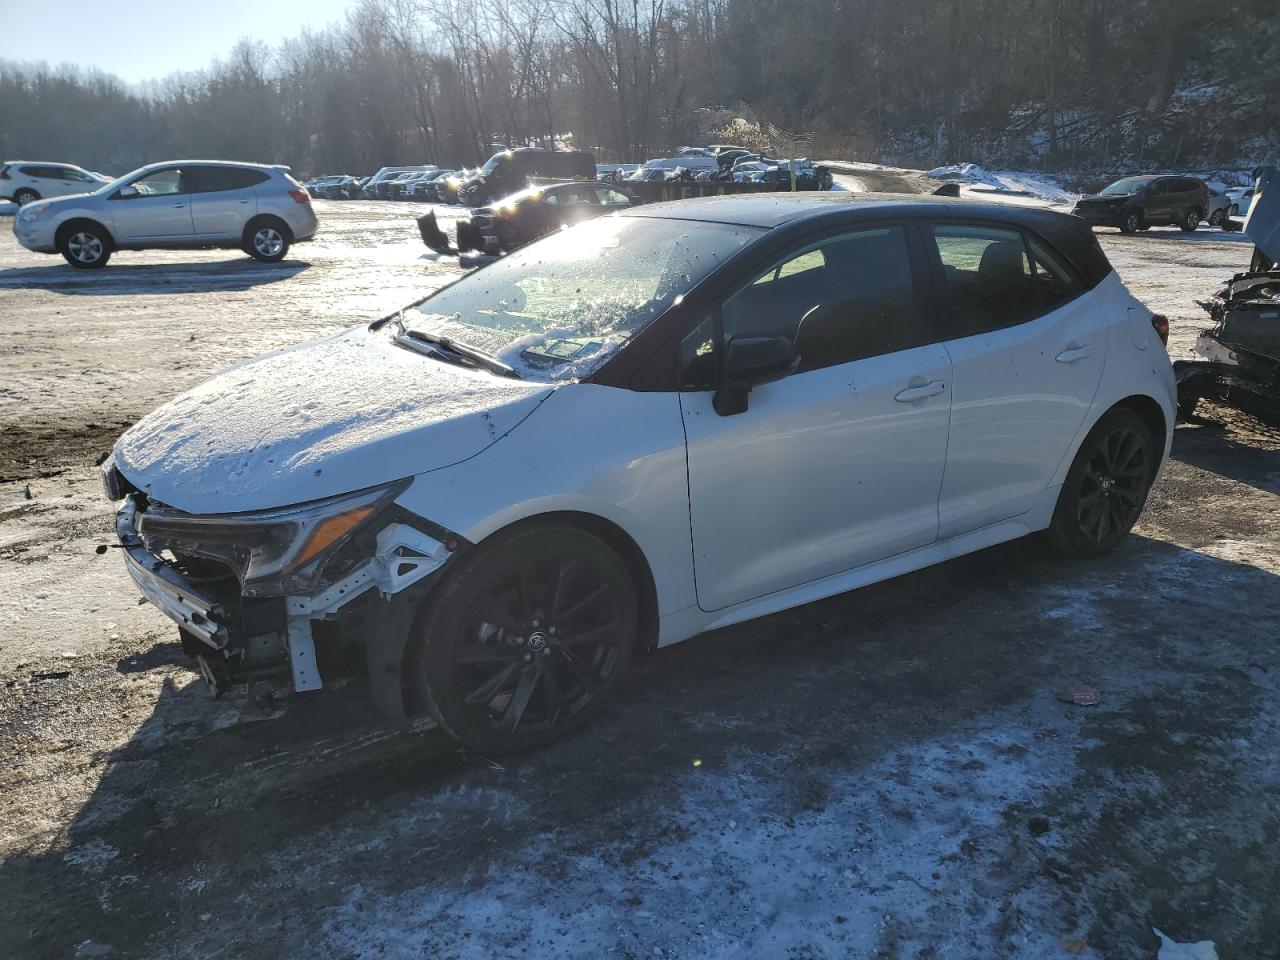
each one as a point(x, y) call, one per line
point(1238, 358)
point(297, 596)
point(478, 234)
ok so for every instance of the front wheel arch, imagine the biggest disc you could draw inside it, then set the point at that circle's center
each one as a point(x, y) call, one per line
point(608, 531)
point(79, 223)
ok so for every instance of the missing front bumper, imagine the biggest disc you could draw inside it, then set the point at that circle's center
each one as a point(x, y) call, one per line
point(238, 639)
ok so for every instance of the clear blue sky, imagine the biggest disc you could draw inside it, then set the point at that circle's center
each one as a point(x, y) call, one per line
point(146, 40)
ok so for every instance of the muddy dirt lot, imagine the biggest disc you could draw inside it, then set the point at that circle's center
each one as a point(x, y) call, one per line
point(890, 773)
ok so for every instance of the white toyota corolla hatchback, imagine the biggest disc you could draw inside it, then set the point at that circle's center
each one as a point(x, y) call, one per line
point(668, 420)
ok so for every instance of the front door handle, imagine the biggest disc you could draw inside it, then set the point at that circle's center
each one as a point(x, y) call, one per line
point(911, 394)
point(1072, 354)
point(178, 206)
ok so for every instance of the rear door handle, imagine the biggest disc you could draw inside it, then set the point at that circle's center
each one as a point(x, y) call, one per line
point(179, 206)
point(930, 389)
point(1072, 354)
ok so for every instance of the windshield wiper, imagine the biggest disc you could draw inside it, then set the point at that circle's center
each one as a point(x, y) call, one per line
point(486, 360)
point(445, 345)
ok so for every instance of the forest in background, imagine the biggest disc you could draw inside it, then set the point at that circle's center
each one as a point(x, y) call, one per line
point(1056, 85)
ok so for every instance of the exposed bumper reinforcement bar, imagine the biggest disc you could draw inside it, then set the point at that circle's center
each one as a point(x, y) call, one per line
point(165, 587)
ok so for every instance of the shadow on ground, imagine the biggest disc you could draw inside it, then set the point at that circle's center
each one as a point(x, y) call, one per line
point(209, 833)
point(123, 279)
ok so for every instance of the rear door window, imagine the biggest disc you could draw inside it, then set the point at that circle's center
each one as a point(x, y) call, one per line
point(987, 278)
point(217, 179)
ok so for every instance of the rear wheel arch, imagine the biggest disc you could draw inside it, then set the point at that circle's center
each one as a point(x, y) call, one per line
point(263, 220)
point(1151, 414)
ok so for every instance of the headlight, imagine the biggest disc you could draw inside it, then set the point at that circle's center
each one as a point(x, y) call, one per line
point(275, 552)
point(30, 213)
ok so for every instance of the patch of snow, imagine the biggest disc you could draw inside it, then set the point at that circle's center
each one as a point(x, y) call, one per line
point(867, 867)
point(92, 857)
point(1009, 186)
point(1171, 950)
point(8, 208)
point(964, 173)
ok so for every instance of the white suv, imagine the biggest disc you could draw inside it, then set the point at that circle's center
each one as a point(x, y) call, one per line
point(174, 205)
point(24, 182)
point(649, 425)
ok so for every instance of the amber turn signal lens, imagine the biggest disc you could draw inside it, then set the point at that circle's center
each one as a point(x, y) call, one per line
point(330, 531)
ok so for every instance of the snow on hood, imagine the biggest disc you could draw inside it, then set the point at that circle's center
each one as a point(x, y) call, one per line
point(316, 420)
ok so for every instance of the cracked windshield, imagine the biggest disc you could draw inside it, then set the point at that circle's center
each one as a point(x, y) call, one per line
point(557, 309)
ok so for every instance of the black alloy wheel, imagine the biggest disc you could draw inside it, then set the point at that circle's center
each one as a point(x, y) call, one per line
point(1132, 222)
point(526, 638)
point(1106, 487)
point(1190, 221)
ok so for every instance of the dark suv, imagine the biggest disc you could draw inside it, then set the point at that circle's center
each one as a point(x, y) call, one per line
point(1136, 203)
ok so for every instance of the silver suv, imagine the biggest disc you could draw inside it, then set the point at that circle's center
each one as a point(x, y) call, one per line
point(174, 205)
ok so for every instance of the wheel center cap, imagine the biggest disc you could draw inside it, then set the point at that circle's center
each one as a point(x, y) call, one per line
point(537, 640)
point(1107, 483)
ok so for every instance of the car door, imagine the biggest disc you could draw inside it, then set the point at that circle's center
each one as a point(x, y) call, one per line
point(838, 464)
point(1158, 205)
point(222, 200)
point(1027, 349)
point(154, 207)
point(577, 204)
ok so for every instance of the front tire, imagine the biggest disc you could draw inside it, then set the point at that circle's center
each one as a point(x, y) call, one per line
point(1216, 218)
point(85, 247)
point(267, 241)
point(1106, 487)
point(24, 196)
point(526, 637)
point(1190, 221)
point(1131, 222)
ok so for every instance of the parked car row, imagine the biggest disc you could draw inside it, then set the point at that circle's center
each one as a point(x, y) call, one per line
point(730, 164)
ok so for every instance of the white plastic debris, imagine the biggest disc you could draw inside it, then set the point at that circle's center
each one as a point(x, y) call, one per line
point(1171, 950)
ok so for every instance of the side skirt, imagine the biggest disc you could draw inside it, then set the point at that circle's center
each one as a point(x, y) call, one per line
point(686, 623)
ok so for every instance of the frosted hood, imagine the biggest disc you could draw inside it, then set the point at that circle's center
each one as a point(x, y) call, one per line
point(315, 420)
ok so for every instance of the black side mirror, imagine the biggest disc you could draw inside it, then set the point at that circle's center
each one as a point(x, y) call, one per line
point(748, 362)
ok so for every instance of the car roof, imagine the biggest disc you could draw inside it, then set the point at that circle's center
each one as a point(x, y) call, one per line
point(1070, 235)
point(43, 163)
point(266, 167)
point(771, 210)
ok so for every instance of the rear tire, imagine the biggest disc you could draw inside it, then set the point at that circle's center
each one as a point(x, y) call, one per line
point(85, 246)
point(24, 196)
point(1216, 218)
point(525, 638)
point(1190, 221)
point(1131, 222)
point(266, 240)
point(1106, 487)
